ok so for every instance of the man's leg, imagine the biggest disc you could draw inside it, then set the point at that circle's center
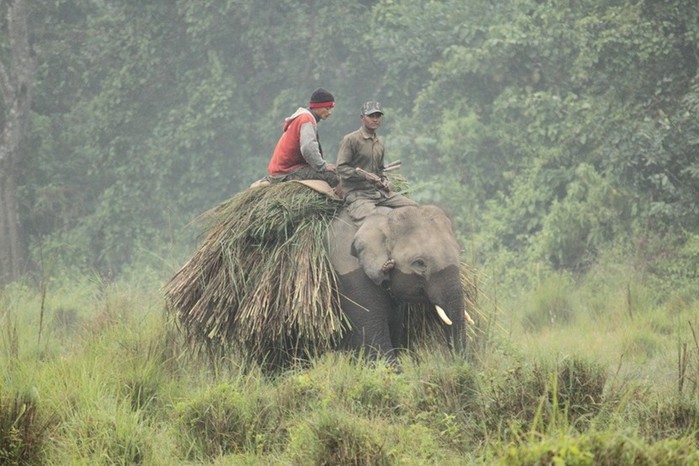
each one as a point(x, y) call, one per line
point(394, 200)
point(360, 205)
point(307, 173)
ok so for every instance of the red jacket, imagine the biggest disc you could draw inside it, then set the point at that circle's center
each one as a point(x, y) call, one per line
point(287, 155)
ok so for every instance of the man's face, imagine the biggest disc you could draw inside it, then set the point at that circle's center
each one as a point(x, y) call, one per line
point(323, 112)
point(372, 122)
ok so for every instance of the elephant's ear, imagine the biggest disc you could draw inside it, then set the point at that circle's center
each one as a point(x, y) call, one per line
point(370, 246)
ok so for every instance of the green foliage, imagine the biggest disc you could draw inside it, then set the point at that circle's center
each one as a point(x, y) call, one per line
point(577, 227)
point(125, 438)
point(549, 304)
point(355, 387)
point(580, 385)
point(446, 385)
point(177, 109)
point(669, 418)
point(226, 419)
point(411, 45)
point(676, 259)
point(568, 392)
point(548, 129)
point(641, 344)
point(333, 437)
point(566, 114)
point(446, 394)
point(598, 448)
point(120, 389)
point(24, 429)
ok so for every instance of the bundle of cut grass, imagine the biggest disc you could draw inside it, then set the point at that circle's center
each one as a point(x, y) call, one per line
point(261, 280)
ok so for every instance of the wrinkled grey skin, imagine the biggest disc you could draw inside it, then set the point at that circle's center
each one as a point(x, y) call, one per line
point(397, 256)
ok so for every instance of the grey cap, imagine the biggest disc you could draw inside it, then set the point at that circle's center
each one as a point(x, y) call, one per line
point(371, 107)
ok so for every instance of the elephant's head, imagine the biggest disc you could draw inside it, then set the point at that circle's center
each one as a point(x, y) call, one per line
point(412, 252)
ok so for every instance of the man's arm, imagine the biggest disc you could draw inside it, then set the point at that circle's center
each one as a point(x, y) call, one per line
point(345, 168)
point(310, 149)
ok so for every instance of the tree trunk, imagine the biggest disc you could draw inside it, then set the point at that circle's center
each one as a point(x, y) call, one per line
point(16, 82)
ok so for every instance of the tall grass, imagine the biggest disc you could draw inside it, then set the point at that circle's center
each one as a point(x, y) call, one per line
point(110, 382)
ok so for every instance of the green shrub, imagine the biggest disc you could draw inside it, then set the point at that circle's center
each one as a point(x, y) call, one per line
point(419, 445)
point(599, 449)
point(381, 393)
point(673, 261)
point(444, 394)
point(298, 392)
point(106, 435)
point(373, 390)
point(567, 392)
point(667, 418)
point(23, 430)
point(445, 384)
point(550, 304)
point(359, 387)
point(580, 386)
point(333, 437)
point(65, 322)
point(147, 369)
point(227, 419)
point(641, 343)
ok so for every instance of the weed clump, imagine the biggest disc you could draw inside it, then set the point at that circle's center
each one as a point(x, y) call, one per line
point(22, 431)
point(550, 305)
point(598, 448)
point(526, 395)
point(336, 437)
point(668, 418)
point(227, 419)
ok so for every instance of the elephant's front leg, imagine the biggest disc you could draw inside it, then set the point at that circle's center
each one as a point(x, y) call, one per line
point(368, 308)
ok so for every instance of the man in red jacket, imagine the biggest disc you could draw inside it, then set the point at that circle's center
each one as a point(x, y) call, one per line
point(298, 155)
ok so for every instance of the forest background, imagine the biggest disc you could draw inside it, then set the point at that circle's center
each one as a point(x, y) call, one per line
point(552, 131)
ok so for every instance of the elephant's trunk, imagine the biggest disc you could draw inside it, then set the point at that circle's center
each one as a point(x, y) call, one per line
point(446, 292)
point(455, 331)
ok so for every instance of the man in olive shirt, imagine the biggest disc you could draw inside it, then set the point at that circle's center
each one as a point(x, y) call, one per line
point(365, 150)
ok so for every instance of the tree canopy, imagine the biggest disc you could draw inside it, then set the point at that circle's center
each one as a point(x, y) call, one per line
point(550, 129)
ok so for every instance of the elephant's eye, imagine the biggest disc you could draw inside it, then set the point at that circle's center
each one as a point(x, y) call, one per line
point(420, 264)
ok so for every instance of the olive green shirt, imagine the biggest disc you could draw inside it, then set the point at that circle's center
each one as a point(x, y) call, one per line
point(359, 149)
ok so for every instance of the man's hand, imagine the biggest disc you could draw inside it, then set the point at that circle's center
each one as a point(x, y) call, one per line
point(380, 183)
point(330, 167)
point(383, 184)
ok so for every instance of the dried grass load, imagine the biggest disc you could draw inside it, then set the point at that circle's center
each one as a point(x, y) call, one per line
point(261, 280)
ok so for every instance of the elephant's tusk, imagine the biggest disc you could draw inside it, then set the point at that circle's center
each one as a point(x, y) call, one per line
point(442, 315)
point(468, 318)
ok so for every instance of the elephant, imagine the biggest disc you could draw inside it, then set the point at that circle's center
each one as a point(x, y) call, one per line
point(354, 287)
point(396, 257)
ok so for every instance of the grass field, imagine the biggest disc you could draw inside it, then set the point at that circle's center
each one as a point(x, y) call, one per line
point(594, 371)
